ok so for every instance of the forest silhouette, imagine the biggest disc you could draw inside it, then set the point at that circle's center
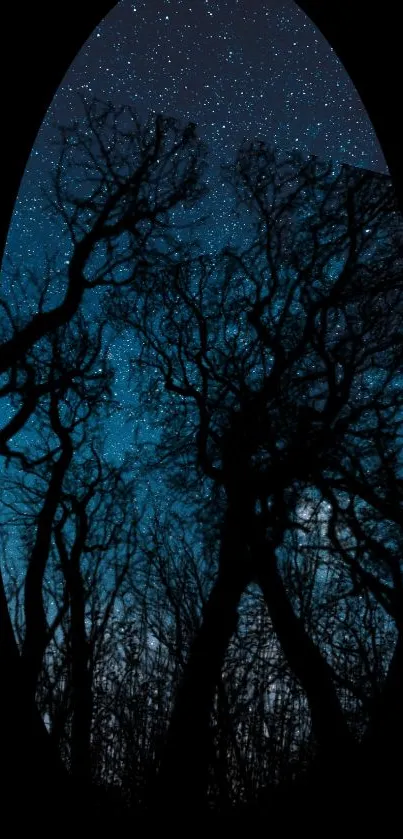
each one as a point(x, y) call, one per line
point(239, 652)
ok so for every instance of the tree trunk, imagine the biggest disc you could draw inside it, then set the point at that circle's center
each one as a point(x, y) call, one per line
point(183, 776)
point(382, 744)
point(31, 769)
point(36, 629)
point(81, 688)
point(304, 658)
point(81, 676)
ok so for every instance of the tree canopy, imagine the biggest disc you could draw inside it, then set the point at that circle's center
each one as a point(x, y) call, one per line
point(236, 576)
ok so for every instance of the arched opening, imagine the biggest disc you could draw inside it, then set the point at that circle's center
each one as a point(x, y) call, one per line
point(230, 116)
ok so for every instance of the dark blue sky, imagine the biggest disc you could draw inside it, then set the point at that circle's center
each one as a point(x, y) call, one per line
point(238, 68)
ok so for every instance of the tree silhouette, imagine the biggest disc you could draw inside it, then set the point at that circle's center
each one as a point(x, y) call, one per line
point(139, 174)
point(270, 373)
point(275, 359)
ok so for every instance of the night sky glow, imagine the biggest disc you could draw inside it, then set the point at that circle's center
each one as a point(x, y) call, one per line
point(239, 69)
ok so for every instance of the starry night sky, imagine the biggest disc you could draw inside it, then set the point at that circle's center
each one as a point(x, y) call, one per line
point(239, 69)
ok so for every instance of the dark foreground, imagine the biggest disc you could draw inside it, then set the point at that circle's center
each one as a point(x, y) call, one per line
point(311, 805)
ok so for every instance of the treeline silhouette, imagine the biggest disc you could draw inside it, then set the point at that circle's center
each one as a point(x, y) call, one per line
point(211, 626)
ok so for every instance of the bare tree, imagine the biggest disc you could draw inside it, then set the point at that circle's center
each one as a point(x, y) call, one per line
point(115, 187)
point(270, 359)
point(272, 373)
